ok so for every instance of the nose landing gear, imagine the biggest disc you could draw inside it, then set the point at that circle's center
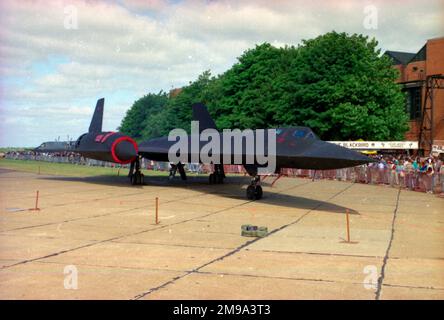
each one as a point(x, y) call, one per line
point(254, 190)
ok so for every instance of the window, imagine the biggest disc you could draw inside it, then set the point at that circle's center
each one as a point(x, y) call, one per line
point(304, 133)
point(298, 133)
point(413, 103)
point(311, 135)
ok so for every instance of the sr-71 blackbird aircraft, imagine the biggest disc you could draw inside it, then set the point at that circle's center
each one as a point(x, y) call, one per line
point(296, 147)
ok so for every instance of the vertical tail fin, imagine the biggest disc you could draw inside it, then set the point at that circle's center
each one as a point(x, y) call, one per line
point(97, 119)
point(201, 114)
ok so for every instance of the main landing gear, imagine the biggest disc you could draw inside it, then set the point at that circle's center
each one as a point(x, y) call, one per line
point(218, 176)
point(174, 168)
point(135, 174)
point(254, 190)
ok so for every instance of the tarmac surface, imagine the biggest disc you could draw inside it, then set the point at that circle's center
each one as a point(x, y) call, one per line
point(101, 232)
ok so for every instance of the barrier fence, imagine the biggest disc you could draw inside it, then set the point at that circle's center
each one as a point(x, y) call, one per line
point(369, 174)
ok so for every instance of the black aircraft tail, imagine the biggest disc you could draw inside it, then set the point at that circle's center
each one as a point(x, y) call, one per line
point(201, 114)
point(97, 119)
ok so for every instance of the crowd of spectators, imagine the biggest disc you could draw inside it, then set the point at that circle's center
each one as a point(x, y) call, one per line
point(411, 172)
point(424, 174)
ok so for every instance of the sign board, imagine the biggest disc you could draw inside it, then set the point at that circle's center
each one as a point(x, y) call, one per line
point(437, 148)
point(377, 145)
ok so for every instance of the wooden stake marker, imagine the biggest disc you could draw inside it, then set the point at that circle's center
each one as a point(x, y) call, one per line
point(348, 225)
point(36, 202)
point(157, 210)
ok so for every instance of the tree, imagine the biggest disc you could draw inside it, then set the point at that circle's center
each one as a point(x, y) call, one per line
point(134, 122)
point(177, 112)
point(252, 90)
point(344, 89)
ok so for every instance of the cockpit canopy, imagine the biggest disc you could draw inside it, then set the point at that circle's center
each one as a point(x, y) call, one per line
point(297, 132)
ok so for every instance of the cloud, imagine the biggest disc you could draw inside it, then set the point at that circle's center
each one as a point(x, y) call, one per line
point(124, 49)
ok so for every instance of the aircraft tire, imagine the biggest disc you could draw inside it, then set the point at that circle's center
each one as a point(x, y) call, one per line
point(212, 178)
point(251, 192)
point(136, 179)
point(258, 192)
point(254, 192)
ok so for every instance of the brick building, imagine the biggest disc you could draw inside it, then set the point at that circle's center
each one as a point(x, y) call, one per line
point(422, 78)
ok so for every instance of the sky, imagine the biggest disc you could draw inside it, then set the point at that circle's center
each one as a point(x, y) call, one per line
point(58, 57)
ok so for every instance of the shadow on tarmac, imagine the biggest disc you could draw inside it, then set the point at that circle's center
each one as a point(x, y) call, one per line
point(200, 183)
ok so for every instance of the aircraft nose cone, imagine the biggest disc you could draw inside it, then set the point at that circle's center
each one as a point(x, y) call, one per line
point(125, 150)
point(344, 157)
point(326, 155)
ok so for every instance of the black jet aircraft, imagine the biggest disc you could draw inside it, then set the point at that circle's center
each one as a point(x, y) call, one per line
point(296, 147)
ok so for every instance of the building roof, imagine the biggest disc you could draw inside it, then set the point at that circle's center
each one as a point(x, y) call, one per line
point(400, 57)
point(421, 55)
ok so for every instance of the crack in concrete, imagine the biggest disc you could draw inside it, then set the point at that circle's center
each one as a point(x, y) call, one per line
point(387, 252)
point(412, 287)
point(172, 245)
point(319, 253)
point(271, 277)
point(115, 267)
point(48, 195)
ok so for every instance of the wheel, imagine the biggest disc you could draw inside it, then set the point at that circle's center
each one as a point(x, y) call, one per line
point(254, 192)
point(258, 192)
point(251, 193)
point(219, 178)
point(140, 179)
point(212, 178)
point(136, 178)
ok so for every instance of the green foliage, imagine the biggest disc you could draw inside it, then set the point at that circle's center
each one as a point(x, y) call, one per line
point(136, 118)
point(253, 89)
point(343, 89)
point(177, 112)
point(337, 84)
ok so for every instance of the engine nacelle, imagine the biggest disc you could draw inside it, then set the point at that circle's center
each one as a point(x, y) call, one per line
point(107, 146)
